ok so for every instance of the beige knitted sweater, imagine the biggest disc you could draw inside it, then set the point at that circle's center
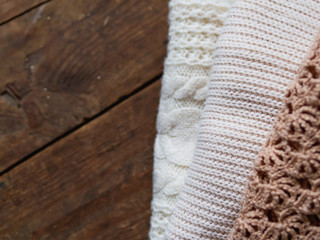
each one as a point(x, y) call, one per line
point(283, 197)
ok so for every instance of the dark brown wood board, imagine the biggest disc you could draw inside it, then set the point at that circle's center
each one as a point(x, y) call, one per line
point(11, 8)
point(67, 60)
point(93, 184)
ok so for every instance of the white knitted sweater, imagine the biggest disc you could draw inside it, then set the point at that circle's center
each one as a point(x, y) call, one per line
point(257, 55)
point(194, 28)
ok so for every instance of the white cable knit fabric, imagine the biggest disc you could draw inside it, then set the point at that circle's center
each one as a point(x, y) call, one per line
point(258, 54)
point(194, 28)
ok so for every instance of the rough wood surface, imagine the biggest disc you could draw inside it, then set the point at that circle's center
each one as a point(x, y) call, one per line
point(93, 184)
point(12, 8)
point(60, 67)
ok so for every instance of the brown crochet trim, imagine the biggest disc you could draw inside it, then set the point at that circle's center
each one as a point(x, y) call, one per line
point(282, 201)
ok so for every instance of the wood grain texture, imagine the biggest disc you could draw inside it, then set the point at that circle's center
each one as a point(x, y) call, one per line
point(60, 67)
point(93, 184)
point(12, 8)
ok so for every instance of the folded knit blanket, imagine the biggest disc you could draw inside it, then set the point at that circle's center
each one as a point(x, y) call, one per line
point(194, 28)
point(258, 54)
point(283, 197)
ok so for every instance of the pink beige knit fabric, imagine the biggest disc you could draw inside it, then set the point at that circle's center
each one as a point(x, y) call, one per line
point(282, 200)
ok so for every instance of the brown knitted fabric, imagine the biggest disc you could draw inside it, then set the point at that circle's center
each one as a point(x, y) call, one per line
point(282, 200)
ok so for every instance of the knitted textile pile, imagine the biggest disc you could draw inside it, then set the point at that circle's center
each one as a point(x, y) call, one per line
point(201, 170)
point(194, 28)
point(283, 197)
point(258, 54)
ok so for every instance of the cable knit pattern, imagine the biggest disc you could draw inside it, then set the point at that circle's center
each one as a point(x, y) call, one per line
point(283, 197)
point(194, 28)
point(256, 57)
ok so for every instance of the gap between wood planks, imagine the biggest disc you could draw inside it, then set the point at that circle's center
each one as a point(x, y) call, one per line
point(24, 12)
point(120, 100)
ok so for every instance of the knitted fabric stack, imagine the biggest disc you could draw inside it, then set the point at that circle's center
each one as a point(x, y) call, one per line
point(263, 45)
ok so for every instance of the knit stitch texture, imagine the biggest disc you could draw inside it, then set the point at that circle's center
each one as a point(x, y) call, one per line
point(283, 197)
point(257, 56)
point(194, 28)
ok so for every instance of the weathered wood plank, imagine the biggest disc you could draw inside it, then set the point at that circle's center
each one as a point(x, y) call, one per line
point(59, 67)
point(12, 8)
point(93, 184)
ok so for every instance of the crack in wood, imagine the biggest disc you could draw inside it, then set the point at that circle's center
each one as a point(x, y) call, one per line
point(13, 91)
point(3, 22)
point(11, 96)
point(14, 94)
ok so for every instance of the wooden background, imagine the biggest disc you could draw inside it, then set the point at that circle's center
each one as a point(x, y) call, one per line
point(79, 90)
